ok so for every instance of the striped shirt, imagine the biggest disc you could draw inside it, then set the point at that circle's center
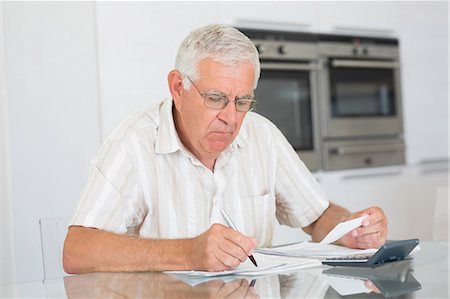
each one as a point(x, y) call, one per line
point(145, 182)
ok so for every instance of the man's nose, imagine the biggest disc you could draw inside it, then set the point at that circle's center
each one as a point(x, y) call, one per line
point(228, 113)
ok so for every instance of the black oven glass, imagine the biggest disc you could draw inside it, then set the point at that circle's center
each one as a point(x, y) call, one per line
point(361, 92)
point(285, 98)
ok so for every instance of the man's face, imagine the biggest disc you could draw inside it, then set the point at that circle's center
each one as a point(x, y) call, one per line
point(204, 131)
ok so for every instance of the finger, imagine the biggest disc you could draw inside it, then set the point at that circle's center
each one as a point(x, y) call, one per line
point(361, 231)
point(369, 238)
point(375, 215)
point(373, 240)
point(233, 250)
point(240, 240)
point(227, 260)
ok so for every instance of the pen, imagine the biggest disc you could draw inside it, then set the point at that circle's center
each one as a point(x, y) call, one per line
point(231, 225)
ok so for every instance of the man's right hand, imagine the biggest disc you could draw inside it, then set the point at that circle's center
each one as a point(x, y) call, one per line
point(220, 248)
point(94, 250)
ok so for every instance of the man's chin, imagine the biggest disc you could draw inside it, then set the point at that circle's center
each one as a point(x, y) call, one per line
point(218, 146)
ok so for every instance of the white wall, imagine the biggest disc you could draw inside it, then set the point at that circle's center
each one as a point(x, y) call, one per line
point(52, 87)
point(7, 268)
point(75, 69)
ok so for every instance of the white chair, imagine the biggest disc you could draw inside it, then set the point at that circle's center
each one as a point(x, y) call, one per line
point(440, 228)
point(53, 233)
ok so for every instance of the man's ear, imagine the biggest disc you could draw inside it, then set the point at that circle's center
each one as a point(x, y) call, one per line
point(174, 79)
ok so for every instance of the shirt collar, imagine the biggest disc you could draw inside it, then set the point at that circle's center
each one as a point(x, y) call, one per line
point(168, 141)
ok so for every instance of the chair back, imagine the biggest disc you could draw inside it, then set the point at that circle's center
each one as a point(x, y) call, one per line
point(53, 233)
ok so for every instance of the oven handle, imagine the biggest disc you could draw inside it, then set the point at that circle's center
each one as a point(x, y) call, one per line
point(365, 64)
point(290, 67)
point(363, 149)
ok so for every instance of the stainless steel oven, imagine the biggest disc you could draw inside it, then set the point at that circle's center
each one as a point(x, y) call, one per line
point(361, 113)
point(288, 88)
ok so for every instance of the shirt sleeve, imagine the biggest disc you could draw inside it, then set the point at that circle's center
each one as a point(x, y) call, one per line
point(111, 199)
point(299, 198)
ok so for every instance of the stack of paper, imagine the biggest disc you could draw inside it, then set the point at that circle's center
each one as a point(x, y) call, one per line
point(315, 251)
point(323, 249)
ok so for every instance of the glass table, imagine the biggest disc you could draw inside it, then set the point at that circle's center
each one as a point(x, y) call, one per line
point(426, 276)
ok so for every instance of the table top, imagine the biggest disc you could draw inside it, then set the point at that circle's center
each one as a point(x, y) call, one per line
point(426, 276)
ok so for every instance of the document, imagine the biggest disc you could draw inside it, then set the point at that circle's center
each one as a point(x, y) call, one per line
point(292, 257)
point(323, 249)
point(267, 264)
point(315, 251)
point(341, 229)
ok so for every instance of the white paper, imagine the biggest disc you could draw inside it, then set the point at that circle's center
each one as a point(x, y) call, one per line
point(315, 250)
point(267, 264)
point(341, 229)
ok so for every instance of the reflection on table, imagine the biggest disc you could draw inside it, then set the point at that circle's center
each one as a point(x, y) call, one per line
point(425, 276)
point(161, 285)
point(394, 279)
point(389, 280)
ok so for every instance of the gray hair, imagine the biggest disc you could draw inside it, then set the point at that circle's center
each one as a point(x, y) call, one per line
point(224, 44)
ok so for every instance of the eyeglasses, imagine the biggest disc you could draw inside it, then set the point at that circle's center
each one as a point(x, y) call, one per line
point(218, 101)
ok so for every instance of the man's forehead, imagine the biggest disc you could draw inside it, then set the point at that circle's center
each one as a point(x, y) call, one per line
point(220, 76)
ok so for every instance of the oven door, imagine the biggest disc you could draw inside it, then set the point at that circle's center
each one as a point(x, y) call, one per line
point(361, 98)
point(287, 95)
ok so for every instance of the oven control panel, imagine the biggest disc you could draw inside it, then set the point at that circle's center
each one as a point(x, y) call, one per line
point(285, 50)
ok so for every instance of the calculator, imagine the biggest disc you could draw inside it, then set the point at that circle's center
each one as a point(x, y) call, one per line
point(391, 251)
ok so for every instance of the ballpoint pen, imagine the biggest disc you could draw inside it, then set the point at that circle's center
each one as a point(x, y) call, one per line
point(231, 225)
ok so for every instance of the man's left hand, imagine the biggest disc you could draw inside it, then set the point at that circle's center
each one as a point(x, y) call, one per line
point(372, 233)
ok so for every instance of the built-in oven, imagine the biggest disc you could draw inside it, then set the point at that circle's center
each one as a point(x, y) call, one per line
point(361, 113)
point(288, 88)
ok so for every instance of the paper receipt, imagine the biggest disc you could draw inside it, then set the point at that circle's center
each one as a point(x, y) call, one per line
point(341, 229)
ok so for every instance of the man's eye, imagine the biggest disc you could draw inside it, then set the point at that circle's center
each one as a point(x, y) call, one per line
point(216, 99)
point(243, 103)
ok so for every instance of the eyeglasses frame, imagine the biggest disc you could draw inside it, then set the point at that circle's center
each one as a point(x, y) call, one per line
point(253, 100)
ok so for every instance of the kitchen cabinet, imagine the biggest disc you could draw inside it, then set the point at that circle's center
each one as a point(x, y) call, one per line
point(407, 195)
point(353, 16)
point(360, 189)
point(422, 186)
point(295, 16)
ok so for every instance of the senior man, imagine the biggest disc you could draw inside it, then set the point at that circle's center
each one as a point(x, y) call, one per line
point(160, 180)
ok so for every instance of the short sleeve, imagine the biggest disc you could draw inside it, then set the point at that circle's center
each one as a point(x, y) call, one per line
point(299, 198)
point(111, 200)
